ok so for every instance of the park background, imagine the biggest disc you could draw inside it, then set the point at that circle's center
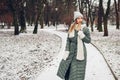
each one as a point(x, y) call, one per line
point(26, 49)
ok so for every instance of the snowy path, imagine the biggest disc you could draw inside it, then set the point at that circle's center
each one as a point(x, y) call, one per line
point(97, 68)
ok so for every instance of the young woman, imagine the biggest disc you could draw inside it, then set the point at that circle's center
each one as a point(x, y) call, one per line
point(73, 64)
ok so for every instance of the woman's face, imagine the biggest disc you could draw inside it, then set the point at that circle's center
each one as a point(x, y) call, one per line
point(79, 20)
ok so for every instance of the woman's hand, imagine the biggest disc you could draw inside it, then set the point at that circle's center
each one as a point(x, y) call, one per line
point(81, 34)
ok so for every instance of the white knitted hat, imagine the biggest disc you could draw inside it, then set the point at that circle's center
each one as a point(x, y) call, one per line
point(77, 14)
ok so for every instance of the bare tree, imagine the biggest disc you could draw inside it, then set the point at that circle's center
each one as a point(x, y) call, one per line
point(13, 5)
point(30, 12)
point(92, 13)
point(81, 5)
point(105, 18)
point(100, 16)
point(65, 12)
point(117, 13)
point(39, 5)
point(22, 17)
point(70, 8)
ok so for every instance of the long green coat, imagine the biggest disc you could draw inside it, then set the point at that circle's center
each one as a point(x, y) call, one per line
point(71, 68)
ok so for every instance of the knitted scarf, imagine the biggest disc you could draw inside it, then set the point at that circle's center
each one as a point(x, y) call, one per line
point(80, 48)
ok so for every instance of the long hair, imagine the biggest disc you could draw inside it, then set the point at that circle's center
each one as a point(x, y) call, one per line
point(72, 27)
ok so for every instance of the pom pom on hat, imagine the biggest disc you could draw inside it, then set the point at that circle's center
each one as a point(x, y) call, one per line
point(77, 14)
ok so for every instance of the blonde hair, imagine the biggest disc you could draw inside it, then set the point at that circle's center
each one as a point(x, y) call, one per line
point(72, 27)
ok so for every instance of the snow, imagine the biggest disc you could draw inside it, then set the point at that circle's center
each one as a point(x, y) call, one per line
point(51, 71)
point(110, 47)
point(23, 57)
point(37, 56)
point(96, 69)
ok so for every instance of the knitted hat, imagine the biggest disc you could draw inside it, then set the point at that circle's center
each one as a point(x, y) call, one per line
point(77, 14)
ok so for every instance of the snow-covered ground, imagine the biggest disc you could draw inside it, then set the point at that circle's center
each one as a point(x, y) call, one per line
point(23, 57)
point(110, 47)
point(96, 68)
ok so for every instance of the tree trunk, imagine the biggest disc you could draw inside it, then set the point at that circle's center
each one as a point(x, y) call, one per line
point(92, 22)
point(41, 22)
point(87, 24)
point(106, 18)
point(15, 16)
point(79, 6)
point(22, 21)
point(91, 16)
point(100, 16)
point(119, 9)
point(92, 27)
point(117, 20)
point(36, 24)
point(35, 28)
point(117, 15)
point(16, 29)
point(87, 10)
point(105, 26)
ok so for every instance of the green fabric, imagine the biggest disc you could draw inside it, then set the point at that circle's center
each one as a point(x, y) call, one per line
point(71, 68)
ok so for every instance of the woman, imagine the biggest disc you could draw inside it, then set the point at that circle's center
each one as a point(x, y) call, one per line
point(73, 64)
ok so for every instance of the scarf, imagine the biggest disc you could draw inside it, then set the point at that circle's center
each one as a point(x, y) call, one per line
point(80, 47)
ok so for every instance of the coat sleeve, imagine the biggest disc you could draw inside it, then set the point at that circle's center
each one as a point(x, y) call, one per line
point(85, 35)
